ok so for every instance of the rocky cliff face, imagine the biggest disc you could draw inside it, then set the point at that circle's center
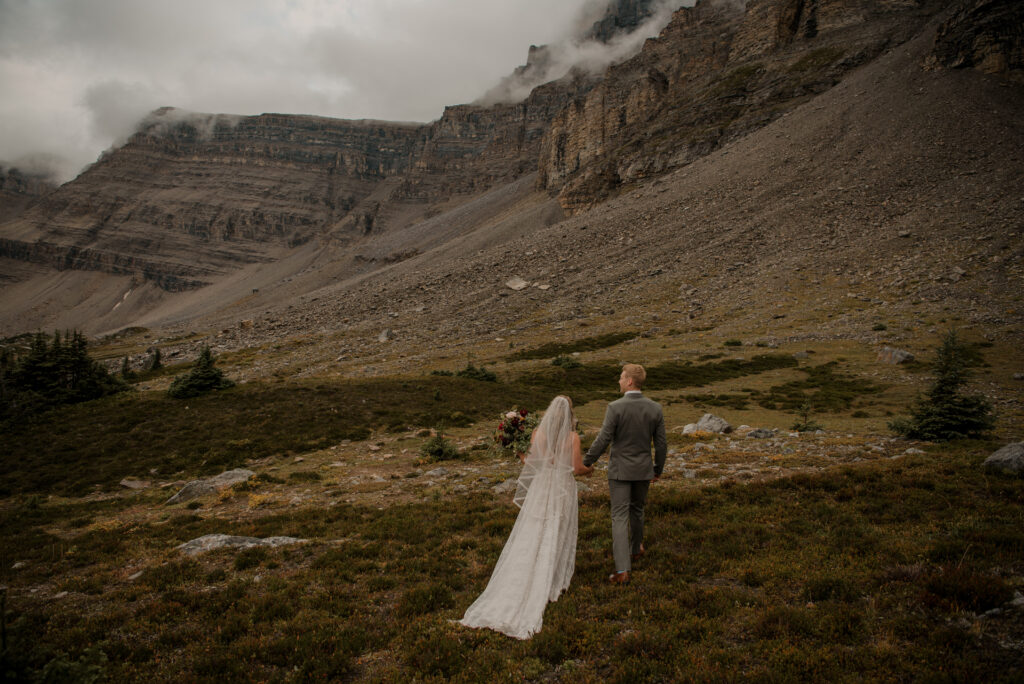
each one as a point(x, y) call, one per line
point(192, 197)
point(19, 189)
point(987, 35)
point(718, 71)
point(622, 16)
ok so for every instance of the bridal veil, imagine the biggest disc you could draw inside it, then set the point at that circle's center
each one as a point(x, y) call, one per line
point(540, 555)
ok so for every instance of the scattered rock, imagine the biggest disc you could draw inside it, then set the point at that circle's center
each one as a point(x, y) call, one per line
point(135, 576)
point(197, 488)
point(580, 487)
point(913, 452)
point(517, 284)
point(894, 356)
point(132, 483)
point(19, 565)
point(1018, 376)
point(712, 423)
point(211, 542)
point(761, 433)
point(385, 335)
point(1009, 460)
point(437, 472)
point(801, 355)
point(60, 594)
point(506, 487)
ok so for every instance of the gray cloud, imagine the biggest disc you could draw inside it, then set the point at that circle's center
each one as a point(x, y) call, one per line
point(554, 61)
point(78, 76)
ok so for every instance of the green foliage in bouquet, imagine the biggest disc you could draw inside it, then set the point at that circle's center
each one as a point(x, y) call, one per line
point(514, 431)
point(201, 379)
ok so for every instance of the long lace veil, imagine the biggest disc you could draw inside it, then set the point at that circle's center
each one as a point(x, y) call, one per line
point(549, 460)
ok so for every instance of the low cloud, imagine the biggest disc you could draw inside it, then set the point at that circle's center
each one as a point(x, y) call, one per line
point(552, 62)
point(77, 76)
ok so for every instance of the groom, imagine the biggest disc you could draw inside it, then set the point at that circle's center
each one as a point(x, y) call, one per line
point(630, 425)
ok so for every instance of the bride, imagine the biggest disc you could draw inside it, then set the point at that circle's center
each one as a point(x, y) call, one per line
point(540, 555)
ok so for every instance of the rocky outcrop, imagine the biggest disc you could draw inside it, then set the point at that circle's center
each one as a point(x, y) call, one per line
point(622, 16)
point(15, 182)
point(213, 542)
point(19, 189)
point(197, 488)
point(987, 35)
point(894, 357)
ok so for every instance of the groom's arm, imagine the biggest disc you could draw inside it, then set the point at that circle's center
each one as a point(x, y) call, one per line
point(604, 438)
point(660, 445)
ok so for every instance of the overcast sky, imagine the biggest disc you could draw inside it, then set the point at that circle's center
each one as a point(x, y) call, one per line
point(76, 75)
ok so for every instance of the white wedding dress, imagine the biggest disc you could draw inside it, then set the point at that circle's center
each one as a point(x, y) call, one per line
point(540, 555)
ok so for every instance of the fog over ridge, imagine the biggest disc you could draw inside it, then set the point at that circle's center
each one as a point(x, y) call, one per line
point(79, 77)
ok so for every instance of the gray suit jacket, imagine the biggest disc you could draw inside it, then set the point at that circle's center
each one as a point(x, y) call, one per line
point(630, 425)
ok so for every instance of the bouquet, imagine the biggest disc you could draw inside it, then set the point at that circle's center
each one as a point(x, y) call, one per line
point(515, 429)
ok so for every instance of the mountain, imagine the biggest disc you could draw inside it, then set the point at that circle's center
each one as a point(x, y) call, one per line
point(751, 161)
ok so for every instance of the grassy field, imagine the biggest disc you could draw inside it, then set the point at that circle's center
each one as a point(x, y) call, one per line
point(888, 566)
point(100, 442)
point(878, 571)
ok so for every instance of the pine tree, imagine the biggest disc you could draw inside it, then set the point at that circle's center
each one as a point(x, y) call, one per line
point(54, 373)
point(154, 361)
point(201, 379)
point(126, 369)
point(944, 413)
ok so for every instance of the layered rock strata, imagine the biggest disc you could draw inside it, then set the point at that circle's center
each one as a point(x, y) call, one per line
point(717, 72)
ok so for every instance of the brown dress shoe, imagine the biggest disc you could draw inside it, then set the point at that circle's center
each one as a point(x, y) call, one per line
point(639, 553)
point(619, 578)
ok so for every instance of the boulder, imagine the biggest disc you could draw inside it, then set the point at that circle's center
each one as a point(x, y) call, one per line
point(197, 488)
point(506, 487)
point(517, 284)
point(712, 423)
point(212, 542)
point(894, 356)
point(1008, 460)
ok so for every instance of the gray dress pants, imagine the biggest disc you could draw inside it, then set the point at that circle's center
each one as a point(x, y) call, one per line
point(628, 500)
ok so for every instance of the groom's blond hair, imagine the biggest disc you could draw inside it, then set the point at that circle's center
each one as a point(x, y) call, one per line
point(636, 373)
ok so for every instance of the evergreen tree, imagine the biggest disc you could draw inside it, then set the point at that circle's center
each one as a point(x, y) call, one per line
point(154, 361)
point(944, 413)
point(201, 379)
point(51, 374)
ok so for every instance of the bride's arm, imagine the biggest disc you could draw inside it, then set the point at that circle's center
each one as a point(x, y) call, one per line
point(577, 458)
point(533, 438)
